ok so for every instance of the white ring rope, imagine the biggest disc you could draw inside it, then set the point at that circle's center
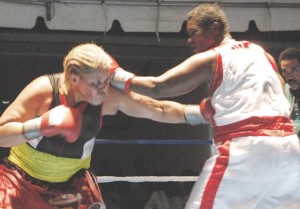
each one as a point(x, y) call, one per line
point(136, 179)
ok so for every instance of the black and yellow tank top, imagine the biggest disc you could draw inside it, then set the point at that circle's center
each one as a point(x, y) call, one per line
point(52, 158)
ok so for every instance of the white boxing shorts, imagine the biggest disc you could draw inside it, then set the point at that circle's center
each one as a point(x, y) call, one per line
point(253, 172)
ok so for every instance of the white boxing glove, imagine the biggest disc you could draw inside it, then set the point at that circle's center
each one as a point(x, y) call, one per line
point(199, 114)
point(120, 78)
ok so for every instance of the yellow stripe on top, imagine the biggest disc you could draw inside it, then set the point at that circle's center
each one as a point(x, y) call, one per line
point(45, 166)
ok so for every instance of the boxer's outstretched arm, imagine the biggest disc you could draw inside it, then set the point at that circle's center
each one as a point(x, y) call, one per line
point(179, 80)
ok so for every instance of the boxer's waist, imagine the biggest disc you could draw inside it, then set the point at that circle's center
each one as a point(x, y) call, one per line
point(255, 126)
point(44, 166)
point(61, 186)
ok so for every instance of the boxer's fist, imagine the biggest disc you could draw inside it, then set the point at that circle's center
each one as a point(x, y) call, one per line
point(120, 78)
point(192, 115)
point(61, 120)
point(114, 66)
point(207, 110)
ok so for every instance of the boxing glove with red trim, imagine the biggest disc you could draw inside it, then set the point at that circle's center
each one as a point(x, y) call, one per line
point(192, 115)
point(207, 109)
point(120, 78)
point(61, 120)
point(195, 114)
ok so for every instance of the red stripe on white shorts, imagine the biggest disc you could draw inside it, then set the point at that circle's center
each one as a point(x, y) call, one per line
point(216, 176)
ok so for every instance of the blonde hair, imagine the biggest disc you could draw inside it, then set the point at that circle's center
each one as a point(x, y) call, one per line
point(86, 59)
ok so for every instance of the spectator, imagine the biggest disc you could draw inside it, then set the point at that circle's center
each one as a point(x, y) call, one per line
point(289, 63)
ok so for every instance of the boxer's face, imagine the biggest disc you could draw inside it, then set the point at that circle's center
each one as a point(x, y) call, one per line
point(290, 69)
point(93, 87)
point(200, 39)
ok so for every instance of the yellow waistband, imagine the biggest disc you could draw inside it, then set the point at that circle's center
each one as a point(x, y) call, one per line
point(45, 166)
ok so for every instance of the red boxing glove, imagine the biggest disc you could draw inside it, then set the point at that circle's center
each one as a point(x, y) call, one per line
point(207, 109)
point(114, 66)
point(120, 78)
point(61, 120)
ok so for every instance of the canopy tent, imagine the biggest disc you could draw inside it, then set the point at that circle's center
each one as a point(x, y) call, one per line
point(144, 15)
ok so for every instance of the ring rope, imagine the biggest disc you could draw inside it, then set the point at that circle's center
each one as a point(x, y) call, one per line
point(153, 141)
point(138, 179)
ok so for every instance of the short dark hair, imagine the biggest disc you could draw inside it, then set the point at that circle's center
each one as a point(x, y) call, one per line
point(288, 54)
point(206, 14)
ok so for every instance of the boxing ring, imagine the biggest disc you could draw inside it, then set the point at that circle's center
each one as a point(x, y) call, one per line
point(139, 179)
